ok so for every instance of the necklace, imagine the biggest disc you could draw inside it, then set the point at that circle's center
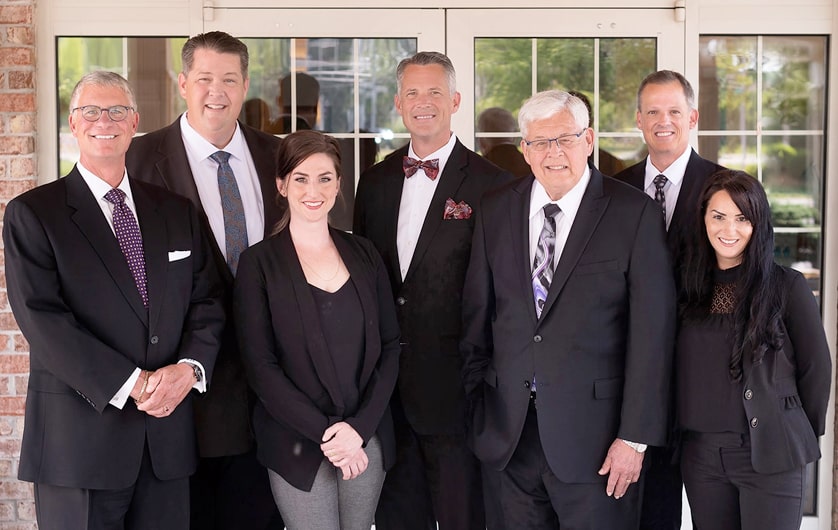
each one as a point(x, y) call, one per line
point(312, 269)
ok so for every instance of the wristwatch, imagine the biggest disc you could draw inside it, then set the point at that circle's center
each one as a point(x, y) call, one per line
point(640, 448)
point(199, 374)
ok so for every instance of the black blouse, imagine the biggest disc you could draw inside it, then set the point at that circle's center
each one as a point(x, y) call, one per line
point(342, 322)
point(708, 399)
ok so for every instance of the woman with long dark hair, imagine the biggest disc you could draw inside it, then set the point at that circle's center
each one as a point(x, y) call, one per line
point(320, 342)
point(753, 367)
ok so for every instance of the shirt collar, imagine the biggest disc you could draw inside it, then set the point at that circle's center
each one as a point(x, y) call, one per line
point(100, 188)
point(569, 203)
point(443, 153)
point(674, 173)
point(203, 149)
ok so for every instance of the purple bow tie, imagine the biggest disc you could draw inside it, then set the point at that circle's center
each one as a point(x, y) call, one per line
point(411, 166)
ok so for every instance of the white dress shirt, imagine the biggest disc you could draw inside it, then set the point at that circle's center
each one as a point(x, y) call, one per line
point(205, 173)
point(675, 177)
point(417, 193)
point(569, 205)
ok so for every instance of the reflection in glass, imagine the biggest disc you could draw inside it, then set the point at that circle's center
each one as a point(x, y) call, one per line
point(728, 81)
point(623, 63)
point(794, 83)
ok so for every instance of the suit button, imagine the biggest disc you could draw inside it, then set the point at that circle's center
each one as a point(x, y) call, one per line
point(526, 384)
point(537, 338)
point(400, 300)
point(154, 339)
point(749, 394)
point(754, 423)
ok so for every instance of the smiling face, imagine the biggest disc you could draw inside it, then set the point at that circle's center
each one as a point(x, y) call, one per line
point(103, 143)
point(425, 103)
point(727, 229)
point(558, 169)
point(665, 119)
point(311, 189)
point(214, 90)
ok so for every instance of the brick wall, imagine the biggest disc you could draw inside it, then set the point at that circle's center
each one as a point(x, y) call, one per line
point(18, 173)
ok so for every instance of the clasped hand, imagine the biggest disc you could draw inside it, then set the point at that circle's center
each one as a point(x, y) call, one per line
point(164, 390)
point(342, 445)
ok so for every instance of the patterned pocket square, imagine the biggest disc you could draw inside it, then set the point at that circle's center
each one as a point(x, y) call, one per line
point(455, 210)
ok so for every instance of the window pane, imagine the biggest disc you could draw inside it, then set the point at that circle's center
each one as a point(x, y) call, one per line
point(138, 59)
point(794, 83)
point(507, 83)
point(565, 64)
point(623, 65)
point(728, 83)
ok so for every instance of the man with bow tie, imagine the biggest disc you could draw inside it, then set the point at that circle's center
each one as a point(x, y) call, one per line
point(416, 207)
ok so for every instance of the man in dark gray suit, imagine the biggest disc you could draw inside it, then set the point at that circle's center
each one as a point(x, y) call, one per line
point(113, 285)
point(568, 330)
point(230, 489)
point(673, 174)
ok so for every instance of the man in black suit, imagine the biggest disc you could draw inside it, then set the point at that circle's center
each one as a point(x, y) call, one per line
point(666, 112)
point(230, 489)
point(113, 286)
point(422, 226)
point(568, 328)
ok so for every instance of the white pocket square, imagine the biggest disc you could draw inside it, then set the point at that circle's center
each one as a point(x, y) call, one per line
point(177, 255)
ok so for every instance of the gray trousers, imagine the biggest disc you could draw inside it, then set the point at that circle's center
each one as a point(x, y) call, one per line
point(332, 502)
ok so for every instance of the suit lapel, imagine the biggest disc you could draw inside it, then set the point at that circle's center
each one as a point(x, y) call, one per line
point(173, 166)
point(92, 224)
point(520, 222)
point(449, 182)
point(266, 173)
point(590, 212)
point(155, 239)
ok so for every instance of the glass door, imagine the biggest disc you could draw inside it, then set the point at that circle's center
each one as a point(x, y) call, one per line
point(331, 70)
point(599, 54)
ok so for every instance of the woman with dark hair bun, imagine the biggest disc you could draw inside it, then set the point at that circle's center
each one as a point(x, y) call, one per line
point(320, 341)
point(753, 367)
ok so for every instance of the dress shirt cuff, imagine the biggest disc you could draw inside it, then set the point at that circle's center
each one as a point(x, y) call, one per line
point(201, 385)
point(639, 447)
point(121, 397)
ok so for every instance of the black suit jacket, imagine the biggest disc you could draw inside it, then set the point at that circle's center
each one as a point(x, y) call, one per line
point(76, 303)
point(685, 216)
point(429, 300)
point(602, 349)
point(290, 366)
point(159, 157)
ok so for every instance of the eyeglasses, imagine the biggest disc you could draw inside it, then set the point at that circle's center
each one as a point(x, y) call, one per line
point(94, 112)
point(562, 142)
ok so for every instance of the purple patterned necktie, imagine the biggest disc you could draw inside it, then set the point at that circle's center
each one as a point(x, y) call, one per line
point(235, 225)
point(542, 267)
point(660, 181)
point(130, 239)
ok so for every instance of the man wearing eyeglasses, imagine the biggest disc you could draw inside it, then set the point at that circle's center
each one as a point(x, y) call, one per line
point(113, 286)
point(569, 319)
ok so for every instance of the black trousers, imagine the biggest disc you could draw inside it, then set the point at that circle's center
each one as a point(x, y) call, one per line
point(725, 493)
point(233, 493)
point(662, 490)
point(148, 503)
point(532, 497)
point(436, 478)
